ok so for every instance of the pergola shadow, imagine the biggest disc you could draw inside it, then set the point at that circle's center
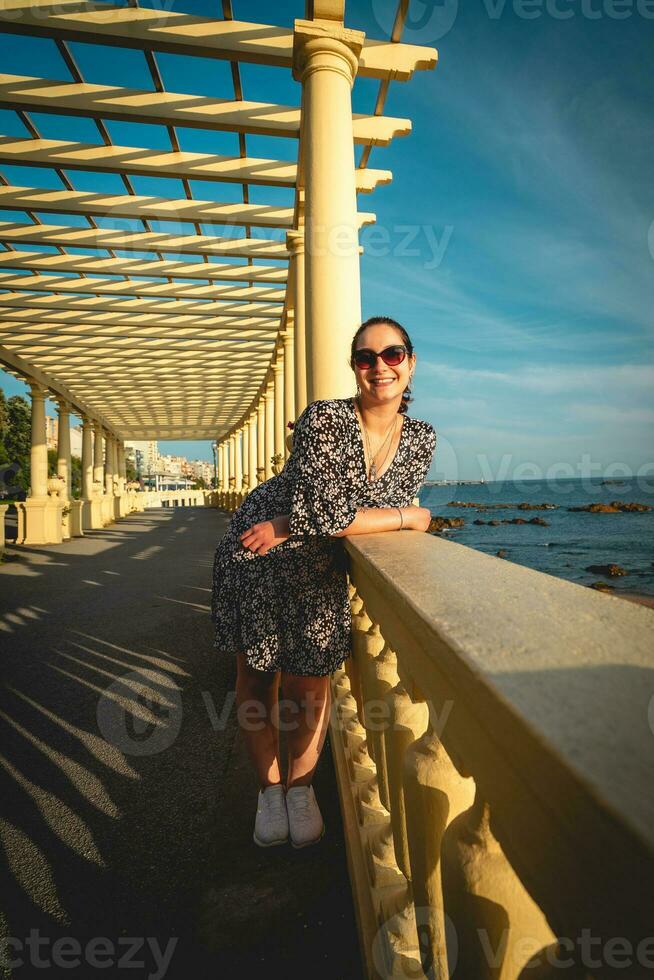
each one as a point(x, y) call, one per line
point(127, 799)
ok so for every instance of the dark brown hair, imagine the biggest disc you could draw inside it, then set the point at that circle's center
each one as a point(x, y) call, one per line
point(406, 340)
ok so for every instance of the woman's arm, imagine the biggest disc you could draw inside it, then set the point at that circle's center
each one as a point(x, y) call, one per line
point(261, 537)
point(370, 520)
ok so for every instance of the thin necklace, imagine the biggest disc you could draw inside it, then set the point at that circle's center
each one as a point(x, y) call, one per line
point(372, 474)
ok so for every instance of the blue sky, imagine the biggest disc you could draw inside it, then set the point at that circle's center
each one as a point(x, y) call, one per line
point(516, 242)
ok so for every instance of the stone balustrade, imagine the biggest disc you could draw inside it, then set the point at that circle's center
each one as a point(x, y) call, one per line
point(493, 737)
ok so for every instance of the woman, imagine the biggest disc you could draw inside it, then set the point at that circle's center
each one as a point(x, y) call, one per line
point(280, 596)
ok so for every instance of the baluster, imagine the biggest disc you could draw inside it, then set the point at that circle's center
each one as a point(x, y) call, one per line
point(492, 913)
point(435, 794)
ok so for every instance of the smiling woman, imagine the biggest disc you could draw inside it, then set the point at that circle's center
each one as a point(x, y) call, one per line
point(280, 598)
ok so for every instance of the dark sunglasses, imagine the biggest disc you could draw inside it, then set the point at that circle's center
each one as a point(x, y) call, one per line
point(366, 358)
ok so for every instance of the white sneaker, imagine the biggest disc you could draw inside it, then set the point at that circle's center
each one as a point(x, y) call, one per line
point(271, 824)
point(304, 817)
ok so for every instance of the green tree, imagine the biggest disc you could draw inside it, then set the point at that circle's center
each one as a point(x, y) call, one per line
point(18, 438)
point(4, 426)
point(76, 477)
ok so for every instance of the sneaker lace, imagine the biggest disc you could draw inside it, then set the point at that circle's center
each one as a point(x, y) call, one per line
point(301, 804)
point(275, 803)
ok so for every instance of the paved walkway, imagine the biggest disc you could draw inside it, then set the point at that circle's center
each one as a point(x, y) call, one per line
point(126, 798)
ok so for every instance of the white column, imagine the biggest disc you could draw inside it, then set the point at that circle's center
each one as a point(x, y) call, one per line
point(87, 458)
point(261, 439)
point(223, 465)
point(325, 60)
point(232, 461)
point(295, 245)
point(245, 430)
point(252, 451)
point(108, 465)
point(278, 383)
point(98, 462)
point(269, 437)
point(238, 461)
point(289, 381)
point(64, 466)
point(38, 448)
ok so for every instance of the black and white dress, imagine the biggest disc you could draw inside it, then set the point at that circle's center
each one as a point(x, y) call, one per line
point(289, 609)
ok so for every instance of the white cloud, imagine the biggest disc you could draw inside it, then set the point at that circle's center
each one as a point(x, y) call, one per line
point(549, 378)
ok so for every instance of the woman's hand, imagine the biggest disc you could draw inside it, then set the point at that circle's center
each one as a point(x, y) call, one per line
point(260, 538)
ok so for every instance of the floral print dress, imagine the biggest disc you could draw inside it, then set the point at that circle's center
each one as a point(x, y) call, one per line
point(289, 609)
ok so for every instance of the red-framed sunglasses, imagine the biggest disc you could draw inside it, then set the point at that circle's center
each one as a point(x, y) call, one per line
point(393, 355)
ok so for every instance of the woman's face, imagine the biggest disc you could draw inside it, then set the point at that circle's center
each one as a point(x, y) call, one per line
point(382, 383)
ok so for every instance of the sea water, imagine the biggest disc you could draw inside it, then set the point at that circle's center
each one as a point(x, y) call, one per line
point(572, 541)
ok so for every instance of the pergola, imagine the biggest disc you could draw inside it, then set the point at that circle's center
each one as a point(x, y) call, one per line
point(187, 334)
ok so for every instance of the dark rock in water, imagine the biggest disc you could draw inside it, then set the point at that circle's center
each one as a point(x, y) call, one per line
point(610, 570)
point(494, 523)
point(438, 524)
point(502, 553)
point(518, 520)
point(479, 521)
point(526, 506)
point(539, 520)
point(602, 586)
point(615, 507)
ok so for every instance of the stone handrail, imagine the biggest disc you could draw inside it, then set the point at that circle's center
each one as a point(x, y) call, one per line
point(493, 736)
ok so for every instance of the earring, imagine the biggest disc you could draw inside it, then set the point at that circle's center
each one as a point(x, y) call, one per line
point(358, 389)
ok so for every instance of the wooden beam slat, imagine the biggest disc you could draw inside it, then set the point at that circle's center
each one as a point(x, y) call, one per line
point(130, 288)
point(176, 33)
point(97, 265)
point(182, 165)
point(14, 198)
point(163, 309)
point(176, 109)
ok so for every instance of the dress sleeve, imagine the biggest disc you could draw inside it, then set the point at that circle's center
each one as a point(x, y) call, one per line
point(422, 459)
point(320, 501)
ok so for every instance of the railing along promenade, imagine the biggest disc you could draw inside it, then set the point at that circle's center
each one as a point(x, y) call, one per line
point(106, 509)
point(493, 739)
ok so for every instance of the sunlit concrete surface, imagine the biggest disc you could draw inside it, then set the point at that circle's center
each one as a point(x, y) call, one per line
point(127, 808)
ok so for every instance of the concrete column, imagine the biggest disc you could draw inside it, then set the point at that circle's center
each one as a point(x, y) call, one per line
point(261, 439)
point(64, 466)
point(269, 438)
point(295, 245)
point(91, 514)
point(39, 516)
point(108, 465)
point(98, 462)
point(108, 498)
point(87, 458)
point(325, 61)
point(38, 449)
point(223, 467)
point(245, 452)
point(278, 388)
point(252, 451)
point(232, 461)
point(238, 461)
point(289, 382)
point(121, 507)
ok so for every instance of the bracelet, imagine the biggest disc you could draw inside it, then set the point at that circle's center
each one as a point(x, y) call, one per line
point(401, 518)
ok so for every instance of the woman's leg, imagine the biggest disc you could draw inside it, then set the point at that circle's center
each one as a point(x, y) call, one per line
point(305, 712)
point(258, 719)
